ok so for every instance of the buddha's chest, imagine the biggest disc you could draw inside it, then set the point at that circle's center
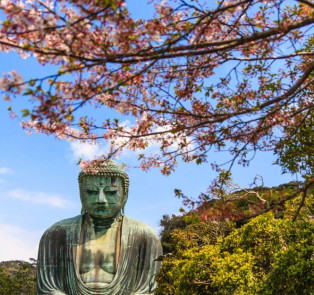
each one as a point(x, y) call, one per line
point(98, 257)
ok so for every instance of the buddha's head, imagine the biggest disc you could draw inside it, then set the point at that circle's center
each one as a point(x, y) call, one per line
point(104, 190)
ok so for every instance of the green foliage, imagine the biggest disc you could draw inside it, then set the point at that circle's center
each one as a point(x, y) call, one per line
point(266, 256)
point(17, 278)
point(296, 151)
point(169, 224)
point(306, 210)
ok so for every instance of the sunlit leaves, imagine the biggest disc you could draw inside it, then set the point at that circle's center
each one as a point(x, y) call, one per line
point(265, 256)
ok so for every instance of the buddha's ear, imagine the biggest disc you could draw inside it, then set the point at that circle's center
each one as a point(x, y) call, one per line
point(125, 198)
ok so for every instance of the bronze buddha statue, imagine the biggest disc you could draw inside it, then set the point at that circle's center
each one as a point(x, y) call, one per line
point(100, 251)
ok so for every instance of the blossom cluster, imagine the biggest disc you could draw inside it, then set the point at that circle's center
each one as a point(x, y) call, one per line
point(229, 75)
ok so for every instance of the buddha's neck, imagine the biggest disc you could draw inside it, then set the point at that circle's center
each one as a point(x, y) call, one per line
point(103, 224)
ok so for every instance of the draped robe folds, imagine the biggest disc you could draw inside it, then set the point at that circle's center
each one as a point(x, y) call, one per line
point(58, 269)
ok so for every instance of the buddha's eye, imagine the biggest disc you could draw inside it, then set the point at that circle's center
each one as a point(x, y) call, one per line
point(110, 193)
point(91, 191)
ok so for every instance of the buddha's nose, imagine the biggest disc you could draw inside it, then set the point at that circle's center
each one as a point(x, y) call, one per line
point(102, 197)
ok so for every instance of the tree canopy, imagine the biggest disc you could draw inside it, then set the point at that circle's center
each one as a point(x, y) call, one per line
point(270, 254)
point(232, 75)
point(17, 278)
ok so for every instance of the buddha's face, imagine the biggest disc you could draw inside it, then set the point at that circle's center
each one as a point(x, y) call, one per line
point(102, 196)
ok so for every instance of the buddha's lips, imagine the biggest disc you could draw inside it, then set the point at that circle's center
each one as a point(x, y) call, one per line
point(100, 207)
point(103, 205)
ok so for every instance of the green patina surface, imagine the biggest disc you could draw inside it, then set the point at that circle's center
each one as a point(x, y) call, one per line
point(99, 251)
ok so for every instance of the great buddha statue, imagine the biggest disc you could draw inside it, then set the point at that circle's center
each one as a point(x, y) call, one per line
point(100, 251)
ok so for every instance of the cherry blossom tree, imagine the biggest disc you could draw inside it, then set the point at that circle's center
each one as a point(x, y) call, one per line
point(232, 75)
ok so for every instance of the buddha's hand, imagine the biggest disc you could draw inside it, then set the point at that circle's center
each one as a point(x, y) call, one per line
point(57, 293)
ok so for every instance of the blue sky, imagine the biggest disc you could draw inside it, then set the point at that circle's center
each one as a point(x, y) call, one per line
point(38, 177)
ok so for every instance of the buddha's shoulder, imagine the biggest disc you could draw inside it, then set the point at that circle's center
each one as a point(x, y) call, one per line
point(128, 221)
point(64, 224)
point(139, 226)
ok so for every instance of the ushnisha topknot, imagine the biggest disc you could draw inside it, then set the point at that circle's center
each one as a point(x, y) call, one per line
point(106, 168)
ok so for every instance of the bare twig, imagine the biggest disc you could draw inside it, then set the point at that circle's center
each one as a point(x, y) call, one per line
point(303, 189)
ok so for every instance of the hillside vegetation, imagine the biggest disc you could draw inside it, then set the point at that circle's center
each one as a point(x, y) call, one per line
point(17, 278)
point(271, 253)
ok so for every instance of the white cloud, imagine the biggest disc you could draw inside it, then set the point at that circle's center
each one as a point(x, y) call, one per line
point(40, 198)
point(18, 243)
point(5, 170)
point(176, 142)
point(86, 151)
